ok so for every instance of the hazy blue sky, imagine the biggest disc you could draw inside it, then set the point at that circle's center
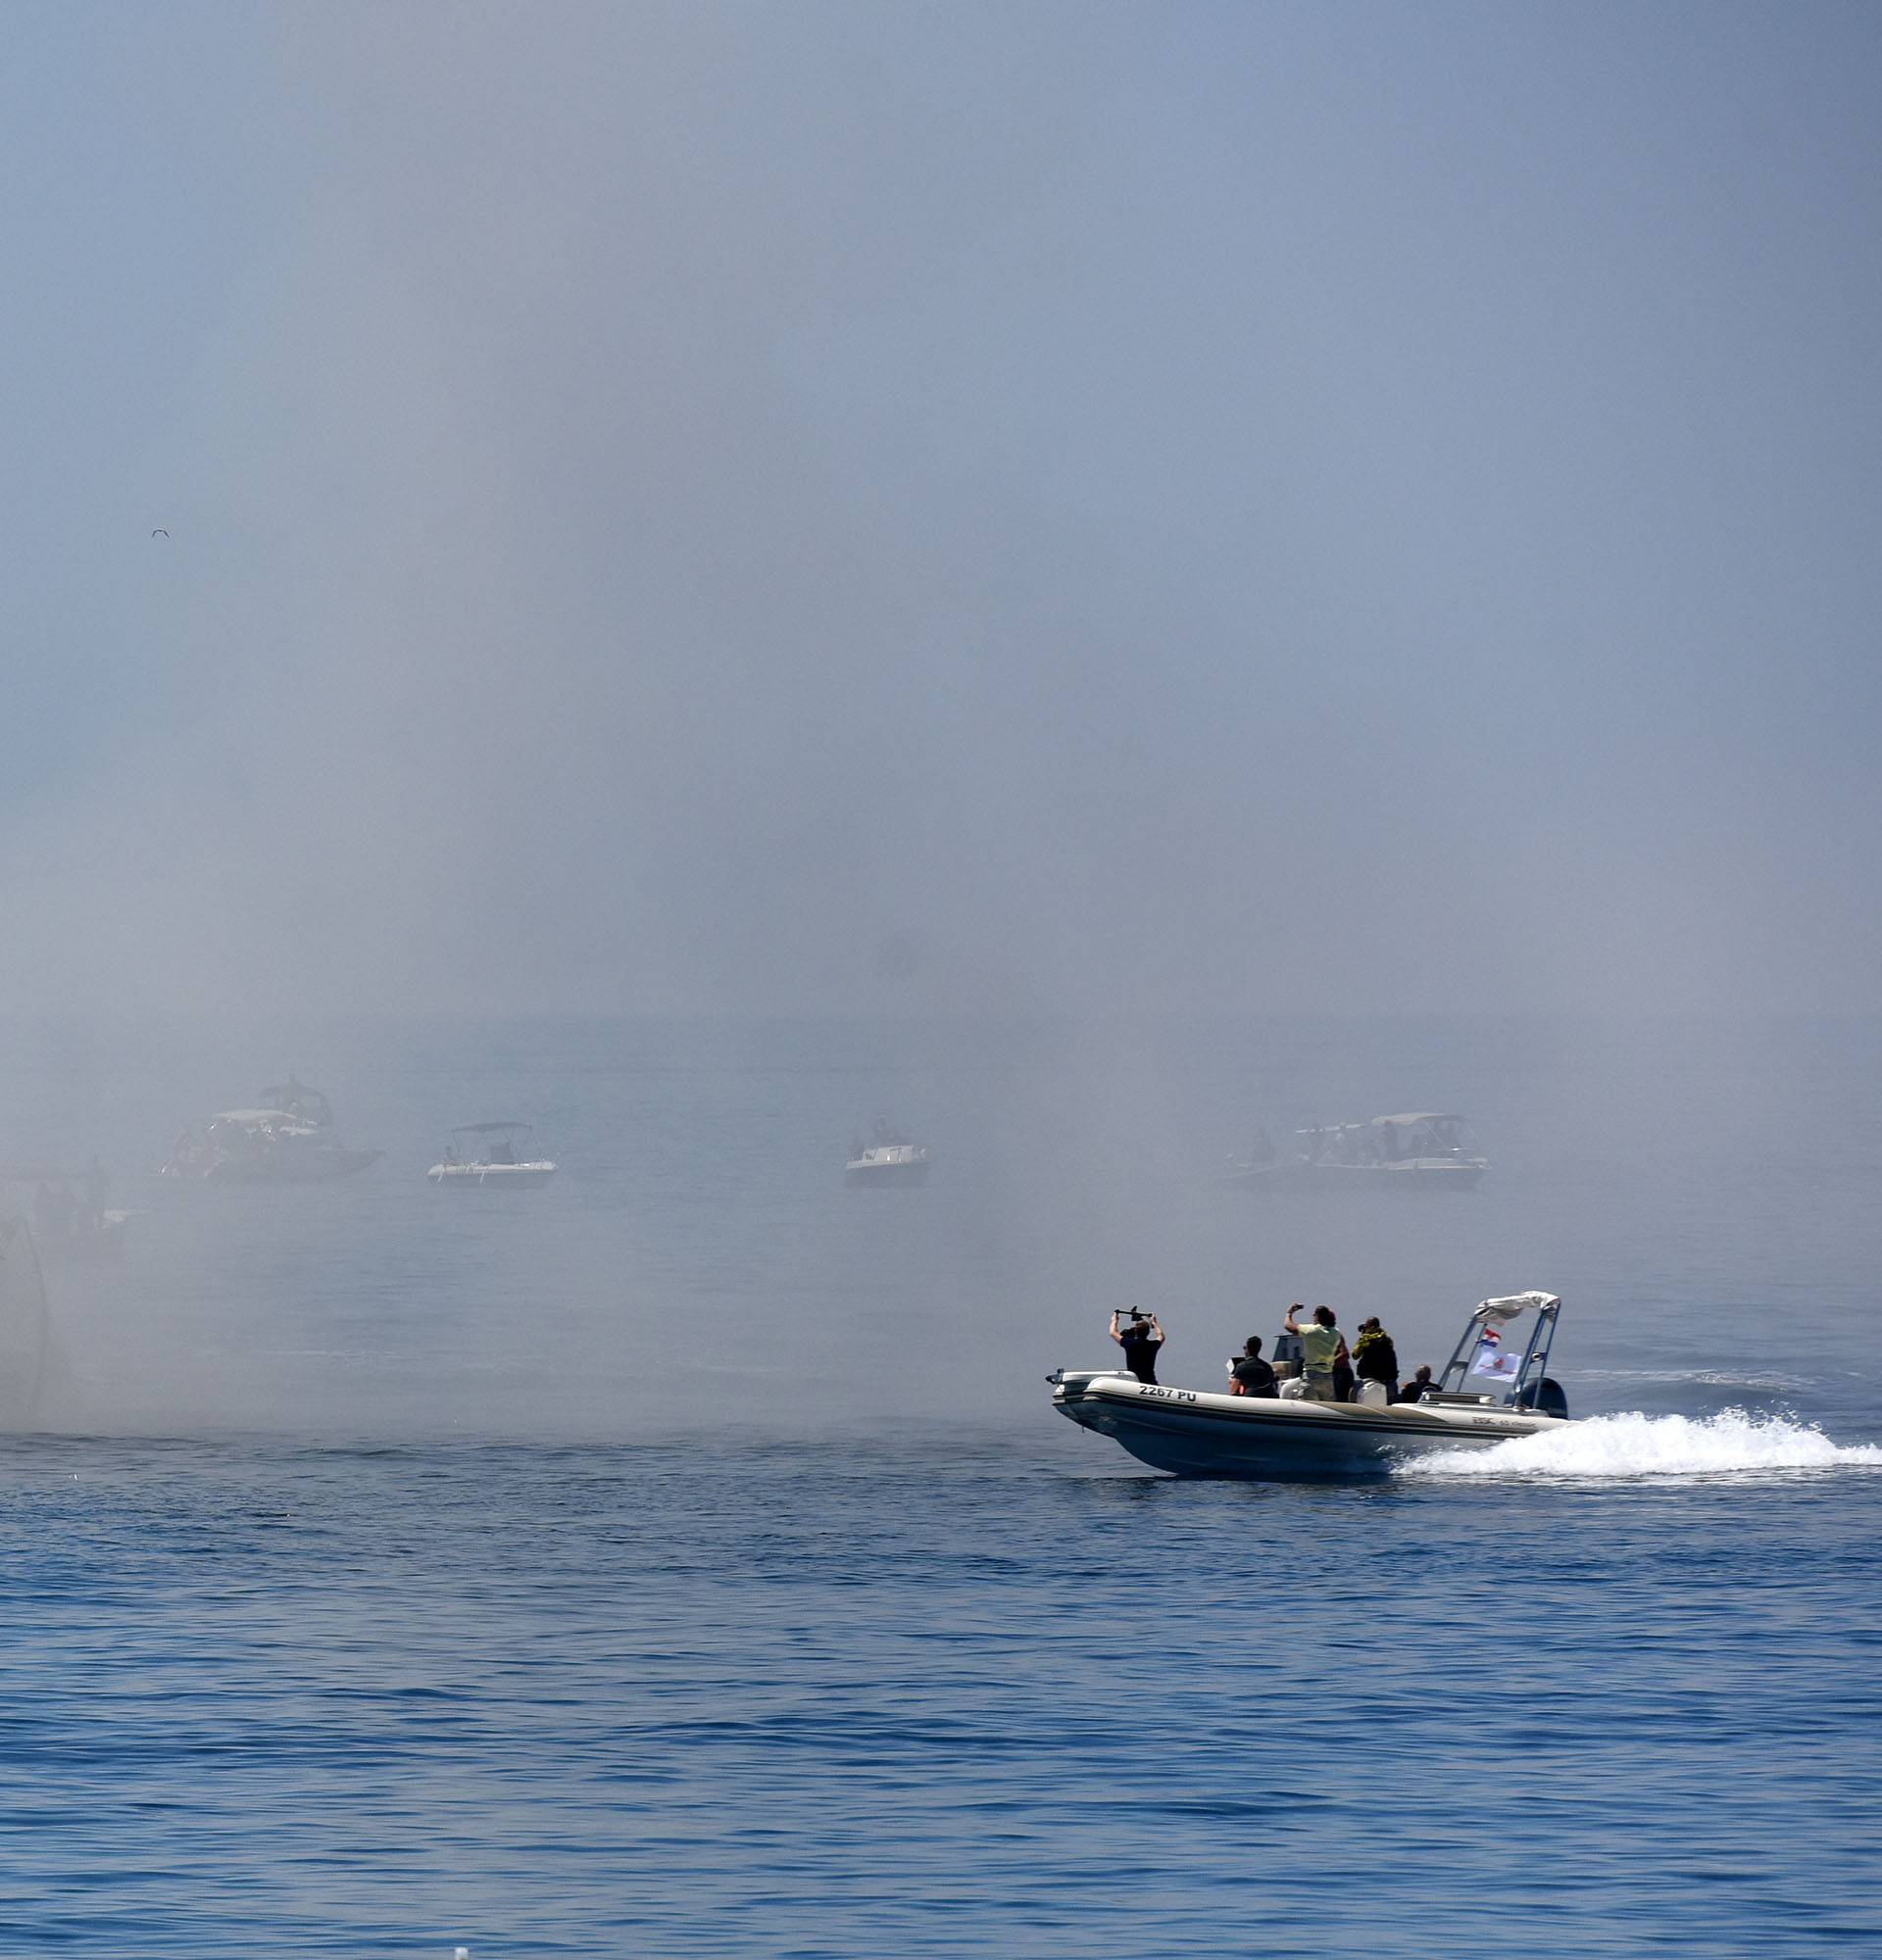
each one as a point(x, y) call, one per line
point(835, 507)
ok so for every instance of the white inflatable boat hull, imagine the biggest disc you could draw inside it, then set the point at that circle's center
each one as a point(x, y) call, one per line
point(466, 1176)
point(1191, 1433)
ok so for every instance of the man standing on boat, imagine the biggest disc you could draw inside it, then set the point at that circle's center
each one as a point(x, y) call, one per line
point(1321, 1351)
point(1140, 1342)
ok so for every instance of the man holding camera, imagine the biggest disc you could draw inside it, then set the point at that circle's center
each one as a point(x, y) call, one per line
point(1140, 1341)
point(1323, 1354)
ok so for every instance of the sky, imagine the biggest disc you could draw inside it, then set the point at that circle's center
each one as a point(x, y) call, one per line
point(940, 509)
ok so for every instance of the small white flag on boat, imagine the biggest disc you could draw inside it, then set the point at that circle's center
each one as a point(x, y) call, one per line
point(1491, 1360)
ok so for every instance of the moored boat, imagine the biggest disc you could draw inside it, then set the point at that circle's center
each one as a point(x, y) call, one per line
point(1489, 1391)
point(290, 1140)
point(70, 1224)
point(492, 1154)
point(24, 1327)
point(889, 1159)
point(1425, 1151)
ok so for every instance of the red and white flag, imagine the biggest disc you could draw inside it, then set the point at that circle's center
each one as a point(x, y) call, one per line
point(1491, 1360)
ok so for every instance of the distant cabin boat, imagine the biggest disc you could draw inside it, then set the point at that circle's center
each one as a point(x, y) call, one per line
point(492, 1154)
point(291, 1140)
point(71, 1225)
point(890, 1159)
point(1425, 1151)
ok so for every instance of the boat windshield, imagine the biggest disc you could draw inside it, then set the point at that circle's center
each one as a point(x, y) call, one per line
point(307, 1105)
point(1427, 1134)
point(1421, 1137)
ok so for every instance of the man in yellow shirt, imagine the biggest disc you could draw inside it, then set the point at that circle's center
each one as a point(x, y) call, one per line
point(1321, 1351)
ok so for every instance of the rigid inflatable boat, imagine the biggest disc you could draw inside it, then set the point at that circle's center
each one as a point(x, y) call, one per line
point(1492, 1388)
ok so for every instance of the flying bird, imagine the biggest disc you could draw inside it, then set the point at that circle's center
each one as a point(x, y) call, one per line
point(160, 534)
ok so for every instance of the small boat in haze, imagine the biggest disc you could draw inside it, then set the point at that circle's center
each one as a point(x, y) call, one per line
point(1492, 1390)
point(1425, 1151)
point(24, 1328)
point(71, 1222)
point(889, 1158)
point(492, 1154)
point(287, 1138)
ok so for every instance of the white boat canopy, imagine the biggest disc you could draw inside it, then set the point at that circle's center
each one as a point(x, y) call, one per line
point(1512, 1307)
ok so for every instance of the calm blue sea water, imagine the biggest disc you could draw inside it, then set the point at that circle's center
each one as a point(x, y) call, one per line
point(683, 1559)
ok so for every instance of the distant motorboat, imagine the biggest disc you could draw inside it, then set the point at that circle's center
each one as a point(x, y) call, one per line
point(24, 1327)
point(889, 1159)
point(290, 1140)
point(94, 1242)
point(70, 1224)
point(1425, 1151)
point(1491, 1390)
point(492, 1154)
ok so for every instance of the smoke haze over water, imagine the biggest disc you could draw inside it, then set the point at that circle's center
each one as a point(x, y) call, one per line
point(1122, 511)
point(700, 574)
point(1089, 580)
point(1701, 1199)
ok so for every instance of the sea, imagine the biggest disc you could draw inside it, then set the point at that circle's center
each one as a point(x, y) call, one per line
point(685, 1560)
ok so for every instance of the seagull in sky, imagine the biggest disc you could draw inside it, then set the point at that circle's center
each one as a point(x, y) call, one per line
point(160, 534)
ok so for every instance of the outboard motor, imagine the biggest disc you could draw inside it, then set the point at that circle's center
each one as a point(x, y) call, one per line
point(1545, 1398)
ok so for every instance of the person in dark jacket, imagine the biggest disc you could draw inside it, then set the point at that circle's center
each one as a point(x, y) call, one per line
point(1251, 1375)
point(1374, 1359)
point(1140, 1342)
point(1417, 1385)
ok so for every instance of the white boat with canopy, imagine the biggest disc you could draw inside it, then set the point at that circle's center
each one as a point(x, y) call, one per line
point(492, 1154)
point(1496, 1386)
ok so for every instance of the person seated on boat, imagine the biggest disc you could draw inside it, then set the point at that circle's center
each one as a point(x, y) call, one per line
point(1374, 1359)
point(504, 1152)
point(450, 1153)
point(1323, 1353)
point(1140, 1342)
point(1411, 1390)
point(1251, 1375)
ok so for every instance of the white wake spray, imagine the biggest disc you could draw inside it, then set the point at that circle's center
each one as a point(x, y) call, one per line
point(1657, 1445)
